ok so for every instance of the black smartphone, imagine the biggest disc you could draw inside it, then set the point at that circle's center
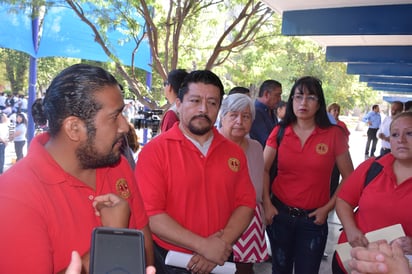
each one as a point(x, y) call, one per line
point(117, 250)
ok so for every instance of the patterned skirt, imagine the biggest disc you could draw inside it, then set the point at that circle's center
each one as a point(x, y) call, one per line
point(251, 246)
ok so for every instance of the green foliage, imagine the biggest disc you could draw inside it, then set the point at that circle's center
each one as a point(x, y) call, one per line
point(16, 66)
point(193, 34)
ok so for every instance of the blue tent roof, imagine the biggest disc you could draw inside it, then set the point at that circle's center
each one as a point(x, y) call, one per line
point(65, 35)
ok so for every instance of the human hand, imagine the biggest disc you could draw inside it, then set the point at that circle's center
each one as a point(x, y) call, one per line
point(215, 249)
point(150, 270)
point(75, 266)
point(356, 237)
point(113, 210)
point(320, 214)
point(405, 243)
point(199, 264)
point(270, 212)
point(379, 257)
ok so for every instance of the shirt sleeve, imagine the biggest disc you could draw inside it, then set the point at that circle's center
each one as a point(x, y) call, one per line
point(272, 139)
point(366, 117)
point(352, 188)
point(150, 176)
point(341, 140)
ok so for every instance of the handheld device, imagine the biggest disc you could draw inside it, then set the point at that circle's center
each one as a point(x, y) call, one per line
point(117, 250)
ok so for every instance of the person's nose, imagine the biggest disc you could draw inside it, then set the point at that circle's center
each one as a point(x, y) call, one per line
point(203, 106)
point(402, 138)
point(123, 125)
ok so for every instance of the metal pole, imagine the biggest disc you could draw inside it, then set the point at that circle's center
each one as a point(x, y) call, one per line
point(32, 80)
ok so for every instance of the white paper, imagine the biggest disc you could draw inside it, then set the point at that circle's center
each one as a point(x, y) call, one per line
point(180, 259)
point(388, 233)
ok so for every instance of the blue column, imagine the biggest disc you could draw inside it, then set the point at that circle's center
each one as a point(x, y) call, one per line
point(32, 80)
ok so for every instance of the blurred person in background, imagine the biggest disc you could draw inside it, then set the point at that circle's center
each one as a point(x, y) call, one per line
point(171, 89)
point(383, 131)
point(20, 135)
point(4, 138)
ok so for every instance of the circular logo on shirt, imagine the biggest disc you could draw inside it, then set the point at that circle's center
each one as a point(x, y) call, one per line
point(322, 148)
point(122, 188)
point(234, 164)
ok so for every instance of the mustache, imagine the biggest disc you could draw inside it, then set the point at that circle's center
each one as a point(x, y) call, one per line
point(123, 139)
point(202, 116)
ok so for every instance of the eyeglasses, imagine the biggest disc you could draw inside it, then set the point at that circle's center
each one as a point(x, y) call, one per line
point(310, 98)
point(166, 83)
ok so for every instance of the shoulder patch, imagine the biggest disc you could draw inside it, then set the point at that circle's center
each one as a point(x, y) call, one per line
point(234, 164)
point(122, 188)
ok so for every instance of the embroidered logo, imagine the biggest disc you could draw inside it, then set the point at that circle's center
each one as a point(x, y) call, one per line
point(234, 164)
point(322, 148)
point(122, 188)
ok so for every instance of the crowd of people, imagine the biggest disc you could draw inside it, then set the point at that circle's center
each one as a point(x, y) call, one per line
point(225, 171)
point(13, 125)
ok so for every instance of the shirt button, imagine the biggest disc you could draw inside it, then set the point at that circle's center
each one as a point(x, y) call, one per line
point(91, 197)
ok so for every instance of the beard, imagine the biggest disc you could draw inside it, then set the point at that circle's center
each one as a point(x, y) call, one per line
point(90, 158)
point(200, 130)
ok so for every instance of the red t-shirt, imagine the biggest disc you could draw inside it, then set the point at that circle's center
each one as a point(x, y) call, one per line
point(303, 178)
point(46, 213)
point(199, 192)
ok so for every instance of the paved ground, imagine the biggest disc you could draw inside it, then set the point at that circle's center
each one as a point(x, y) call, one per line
point(357, 143)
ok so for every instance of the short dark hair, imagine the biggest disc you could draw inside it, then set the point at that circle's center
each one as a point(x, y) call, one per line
point(71, 94)
point(241, 90)
point(201, 76)
point(268, 85)
point(175, 79)
point(314, 86)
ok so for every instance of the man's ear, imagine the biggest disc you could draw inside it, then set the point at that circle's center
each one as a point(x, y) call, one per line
point(73, 128)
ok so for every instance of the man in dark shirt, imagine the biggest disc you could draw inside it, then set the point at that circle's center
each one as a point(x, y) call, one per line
point(269, 96)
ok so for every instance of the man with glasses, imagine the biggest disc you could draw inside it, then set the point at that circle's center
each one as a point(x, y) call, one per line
point(269, 96)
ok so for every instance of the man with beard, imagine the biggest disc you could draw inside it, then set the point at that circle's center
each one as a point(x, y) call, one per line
point(195, 183)
point(73, 178)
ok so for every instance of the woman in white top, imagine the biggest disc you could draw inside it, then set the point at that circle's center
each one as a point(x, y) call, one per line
point(20, 135)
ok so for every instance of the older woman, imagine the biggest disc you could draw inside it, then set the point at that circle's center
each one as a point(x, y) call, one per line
point(236, 115)
point(386, 199)
point(300, 192)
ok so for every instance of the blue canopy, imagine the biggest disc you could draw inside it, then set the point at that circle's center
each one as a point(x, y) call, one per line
point(63, 34)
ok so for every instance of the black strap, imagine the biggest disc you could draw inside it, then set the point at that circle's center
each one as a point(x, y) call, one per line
point(373, 171)
point(274, 168)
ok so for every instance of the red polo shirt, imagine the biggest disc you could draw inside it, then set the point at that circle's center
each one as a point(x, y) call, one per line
point(199, 192)
point(46, 213)
point(382, 202)
point(304, 171)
